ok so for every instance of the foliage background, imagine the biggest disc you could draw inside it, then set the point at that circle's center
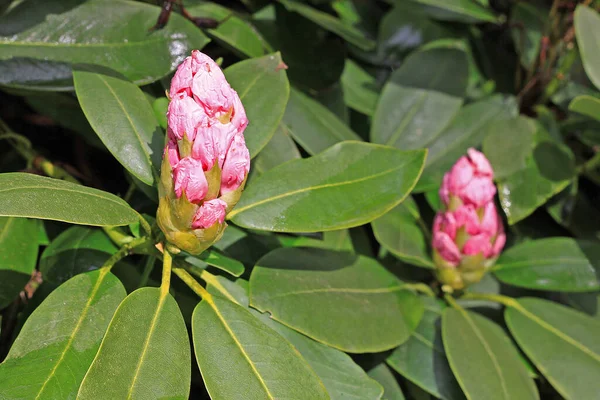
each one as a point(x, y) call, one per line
point(343, 272)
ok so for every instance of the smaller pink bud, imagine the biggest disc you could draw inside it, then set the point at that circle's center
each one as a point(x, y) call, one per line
point(183, 116)
point(209, 213)
point(189, 178)
point(236, 165)
point(172, 153)
point(446, 247)
point(478, 244)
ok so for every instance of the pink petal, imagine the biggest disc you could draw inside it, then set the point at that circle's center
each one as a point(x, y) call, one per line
point(182, 80)
point(238, 116)
point(446, 247)
point(189, 178)
point(172, 151)
point(445, 222)
point(481, 163)
point(490, 220)
point(209, 213)
point(210, 88)
point(236, 165)
point(478, 244)
point(445, 189)
point(466, 216)
point(460, 175)
point(498, 244)
point(184, 115)
point(478, 192)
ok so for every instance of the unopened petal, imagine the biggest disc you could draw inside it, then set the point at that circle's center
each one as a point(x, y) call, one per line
point(184, 115)
point(466, 216)
point(182, 80)
point(209, 213)
point(478, 244)
point(446, 247)
point(236, 165)
point(189, 178)
point(490, 220)
point(460, 175)
point(478, 192)
point(172, 151)
point(481, 163)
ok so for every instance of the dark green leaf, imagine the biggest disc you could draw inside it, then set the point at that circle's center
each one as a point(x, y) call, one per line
point(28, 195)
point(60, 339)
point(42, 49)
point(561, 342)
point(312, 125)
point(528, 23)
point(329, 22)
point(382, 374)
point(346, 301)
point(418, 89)
point(229, 341)
point(347, 185)
point(145, 351)
point(557, 264)
point(483, 359)
point(466, 11)
point(399, 232)
point(422, 360)
point(586, 105)
point(281, 148)
point(123, 119)
point(252, 79)
point(360, 88)
point(77, 249)
point(18, 255)
point(587, 31)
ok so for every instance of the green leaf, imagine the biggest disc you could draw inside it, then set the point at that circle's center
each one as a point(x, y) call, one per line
point(382, 374)
point(312, 125)
point(348, 185)
point(468, 128)
point(528, 23)
point(123, 119)
point(281, 148)
point(160, 107)
point(422, 359)
point(399, 232)
point(28, 195)
point(218, 260)
point(483, 359)
point(345, 301)
point(418, 89)
point(146, 351)
point(39, 53)
point(360, 88)
point(77, 249)
point(557, 264)
point(18, 255)
point(329, 22)
point(561, 342)
point(466, 11)
point(586, 105)
point(252, 79)
point(229, 341)
point(232, 31)
point(60, 339)
point(532, 167)
point(587, 31)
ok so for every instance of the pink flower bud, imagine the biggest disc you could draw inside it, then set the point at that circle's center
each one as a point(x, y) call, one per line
point(468, 235)
point(209, 213)
point(206, 157)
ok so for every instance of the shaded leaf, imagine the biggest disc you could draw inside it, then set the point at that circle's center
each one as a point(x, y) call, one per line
point(528, 23)
point(281, 148)
point(360, 88)
point(587, 31)
point(382, 374)
point(465, 11)
point(218, 260)
point(586, 105)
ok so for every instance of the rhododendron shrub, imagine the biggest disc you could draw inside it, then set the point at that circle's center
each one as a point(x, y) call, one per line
point(299, 199)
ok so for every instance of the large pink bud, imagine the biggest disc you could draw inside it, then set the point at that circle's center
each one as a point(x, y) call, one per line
point(206, 161)
point(468, 235)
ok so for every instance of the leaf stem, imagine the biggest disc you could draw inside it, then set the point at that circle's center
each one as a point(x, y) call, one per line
point(589, 164)
point(452, 302)
point(497, 298)
point(148, 266)
point(165, 284)
point(123, 252)
point(192, 283)
point(420, 287)
point(145, 225)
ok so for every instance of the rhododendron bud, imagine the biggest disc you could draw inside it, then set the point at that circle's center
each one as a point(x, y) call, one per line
point(468, 234)
point(206, 161)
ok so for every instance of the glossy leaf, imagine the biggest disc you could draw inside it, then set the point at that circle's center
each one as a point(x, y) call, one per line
point(146, 350)
point(418, 89)
point(232, 31)
point(558, 264)
point(399, 232)
point(18, 255)
point(77, 249)
point(329, 22)
point(484, 361)
point(466, 11)
point(41, 50)
point(28, 195)
point(382, 374)
point(586, 105)
point(532, 166)
point(252, 79)
point(360, 88)
point(468, 128)
point(312, 125)
point(229, 341)
point(281, 148)
point(345, 301)
point(561, 342)
point(422, 359)
point(587, 31)
point(119, 113)
point(60, 339)
point(218, 260)
point(347, 185)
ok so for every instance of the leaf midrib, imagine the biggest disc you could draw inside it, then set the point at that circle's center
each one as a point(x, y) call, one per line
point(546, 262)
point(76, 45)
point(340, 290)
